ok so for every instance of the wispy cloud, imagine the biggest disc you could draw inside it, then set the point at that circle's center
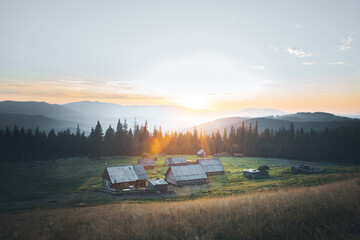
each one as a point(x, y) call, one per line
point(273, 48)
point(262, 68)
point(337, 63)
point(299, 52)
point(346, 43)
point(308, 63)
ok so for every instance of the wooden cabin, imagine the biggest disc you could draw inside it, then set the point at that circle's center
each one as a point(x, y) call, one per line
point(122, 177)
point(147, 163)
point(202, 153)
point(158, 183)
point(254, 173)
point(186, 175)
point(175, 161)
point(211, 166)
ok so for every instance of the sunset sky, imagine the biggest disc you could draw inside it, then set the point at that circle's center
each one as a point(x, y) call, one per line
point(288, 55)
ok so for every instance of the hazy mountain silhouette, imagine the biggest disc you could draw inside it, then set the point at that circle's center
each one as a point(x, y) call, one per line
point(33, 121)
point(307, 121)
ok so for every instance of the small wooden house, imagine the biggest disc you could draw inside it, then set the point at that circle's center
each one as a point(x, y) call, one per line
point(175, 161)
point(147, 163)
point(254, 173)
point(211, 166)
point(186, 175)
point(123, 177)
point(158, 183)
point(202, 153)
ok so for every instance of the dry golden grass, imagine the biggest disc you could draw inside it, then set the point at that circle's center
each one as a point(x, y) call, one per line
point(330, 211)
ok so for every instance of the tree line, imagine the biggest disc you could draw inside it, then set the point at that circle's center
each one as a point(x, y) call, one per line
point(330, 145)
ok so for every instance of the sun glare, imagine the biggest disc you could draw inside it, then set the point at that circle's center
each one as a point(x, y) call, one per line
point(195, 102)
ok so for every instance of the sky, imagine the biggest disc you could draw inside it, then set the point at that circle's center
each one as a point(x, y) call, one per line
point(288, 55)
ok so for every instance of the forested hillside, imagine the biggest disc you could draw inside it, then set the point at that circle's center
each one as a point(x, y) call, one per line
point(330, 145)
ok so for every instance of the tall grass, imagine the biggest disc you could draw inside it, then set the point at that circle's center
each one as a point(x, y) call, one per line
point(329, 211)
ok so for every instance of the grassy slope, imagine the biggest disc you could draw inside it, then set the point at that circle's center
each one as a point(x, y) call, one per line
point(329, 211)
point(29, 180)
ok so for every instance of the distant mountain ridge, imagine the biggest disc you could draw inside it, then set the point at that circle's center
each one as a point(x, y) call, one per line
point(305, 120)
point(86, 114)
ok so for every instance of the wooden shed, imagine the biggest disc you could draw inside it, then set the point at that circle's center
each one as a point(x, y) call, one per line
point(147, 163)
point(123, 177)
point(254, 173)
point(212, 166)
point(175, 161)
point(201, 153)
point(158, 183)
point(186, 175)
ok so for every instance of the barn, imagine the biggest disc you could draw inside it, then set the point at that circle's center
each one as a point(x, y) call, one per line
point(186, 175)
point(211, 166)
point(147, 163)
point(254, 173)
point(175, 161)
point(158, 183)
point(122, 177)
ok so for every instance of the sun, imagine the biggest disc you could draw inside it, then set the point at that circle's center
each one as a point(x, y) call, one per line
point(195, 102)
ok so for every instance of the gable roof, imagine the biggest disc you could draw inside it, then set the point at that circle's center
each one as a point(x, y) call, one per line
point(176, 160)
point(211, 165)
point(201, 151)
point(128, 173)
point(187, 172)
point(147, 161)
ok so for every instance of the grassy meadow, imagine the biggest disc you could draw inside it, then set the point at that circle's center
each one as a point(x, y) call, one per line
point(70, 182)
point(329, 211)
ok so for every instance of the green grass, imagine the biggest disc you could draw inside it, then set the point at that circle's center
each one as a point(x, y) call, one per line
point(30, 180)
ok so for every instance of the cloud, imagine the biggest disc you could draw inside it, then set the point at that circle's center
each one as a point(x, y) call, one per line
point(346, 43)
point(337, 63)
point(262, 68)
point(298, 52)
point(308, 63)
point(275, 49)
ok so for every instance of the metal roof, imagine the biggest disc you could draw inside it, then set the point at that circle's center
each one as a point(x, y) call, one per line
point(211, 165)
point(129, 173)
point(188, 172)
point(147, 161)
point(251, 171)
point(158, 181)
point(140, 172)
point(176, 160)
point(200, 151)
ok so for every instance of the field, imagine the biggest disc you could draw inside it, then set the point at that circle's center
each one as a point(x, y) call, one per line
point(71, 182)
point(329, 211)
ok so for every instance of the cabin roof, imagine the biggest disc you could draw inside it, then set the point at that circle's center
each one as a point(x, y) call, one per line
point(128, 173)
point(188, 172)
point(200, 151)
point(251, 171)
point(211, 165)
point(157, 181)
point(176, 160)
point(147, 161)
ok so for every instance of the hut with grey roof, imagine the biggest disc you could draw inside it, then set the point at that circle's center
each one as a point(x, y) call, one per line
point(175, 161)
point(123, 177)
point(212, 166)
point(186, 175)
point(147, 163)
point(255, 173)
point(158, 183)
